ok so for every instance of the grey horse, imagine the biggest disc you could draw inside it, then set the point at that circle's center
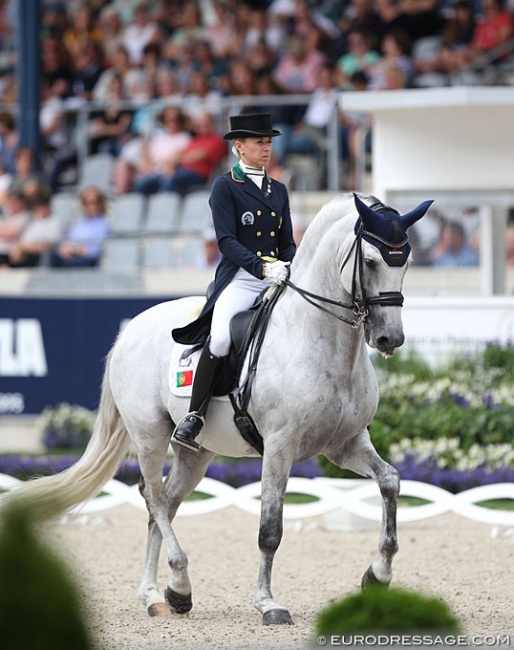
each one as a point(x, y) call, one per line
point(315, 392)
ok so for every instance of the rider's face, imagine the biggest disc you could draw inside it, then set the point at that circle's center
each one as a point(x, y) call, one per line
point(255, 152)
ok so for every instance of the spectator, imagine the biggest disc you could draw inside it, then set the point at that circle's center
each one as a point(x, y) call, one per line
point(42, 234)
point(242, 79)
point(5, 182)
point(314, 28)
point(189, 30)
point(214, 68)
point(355, 134)
point(262, 59)
point(55, 19)
point(82, 31)
point(111, 27)
point(396, 50)
point(201, 98)
point(109, 129)
point(84, 242)
point(360, 14)
point(210, 255)
point(182, 64)
point(145, 161)
point(197, 162)
point(491, 31)
point(8, 141)
point(297, 71)
point(453, 249)
point(88, 68)
point(262, 28)
point(15, 219)
point(166, 85)
point(52, 123)
point(126, 9)
point(457, 37)
point(122, 68)
point(26, 178)
point(221, 34)
point(141, 31)
point(359, 57)
point(509, 244)
point(56, 64)
point(391, 18)
point(309, 136)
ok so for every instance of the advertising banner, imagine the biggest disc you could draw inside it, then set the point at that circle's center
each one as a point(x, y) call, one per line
point(53, 350)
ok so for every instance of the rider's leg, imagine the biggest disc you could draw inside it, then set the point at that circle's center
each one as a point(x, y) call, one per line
point(205, 379)
point(240, 294)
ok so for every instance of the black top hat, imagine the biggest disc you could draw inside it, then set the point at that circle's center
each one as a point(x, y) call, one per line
point(251, 125)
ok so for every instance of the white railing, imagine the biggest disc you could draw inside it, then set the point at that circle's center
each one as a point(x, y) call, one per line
point(358, 497)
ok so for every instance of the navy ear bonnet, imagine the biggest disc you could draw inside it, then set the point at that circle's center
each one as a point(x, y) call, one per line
point(386, 229)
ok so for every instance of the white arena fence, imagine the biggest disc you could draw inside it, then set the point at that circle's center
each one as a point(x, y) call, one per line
point(359, 497)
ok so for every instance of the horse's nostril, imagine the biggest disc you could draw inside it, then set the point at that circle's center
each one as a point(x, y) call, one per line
point(390, 342)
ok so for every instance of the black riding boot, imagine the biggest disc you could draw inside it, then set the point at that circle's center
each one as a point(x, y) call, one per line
point(205, 378)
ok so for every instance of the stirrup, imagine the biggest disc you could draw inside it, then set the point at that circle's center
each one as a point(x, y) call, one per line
point(187, 430)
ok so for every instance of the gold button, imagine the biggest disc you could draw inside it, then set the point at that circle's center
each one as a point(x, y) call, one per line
point(273, 214)
point(259, 233)
point(272, 233)
point(259, 254)
point(259, 213)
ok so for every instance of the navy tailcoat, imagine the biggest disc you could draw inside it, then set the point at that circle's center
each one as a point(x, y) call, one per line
point(253, 226)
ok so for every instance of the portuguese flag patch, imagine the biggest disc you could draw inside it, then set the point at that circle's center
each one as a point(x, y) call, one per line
point(184, 378)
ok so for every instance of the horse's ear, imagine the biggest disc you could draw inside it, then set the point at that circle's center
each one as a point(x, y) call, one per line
point(368, 216)
point(416, 214)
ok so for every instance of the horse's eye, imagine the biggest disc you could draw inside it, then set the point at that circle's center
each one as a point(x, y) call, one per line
point(370, 264)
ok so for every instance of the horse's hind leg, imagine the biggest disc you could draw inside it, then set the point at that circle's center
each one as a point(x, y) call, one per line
point(162, 500)
point(359, 455)
point(188, 470)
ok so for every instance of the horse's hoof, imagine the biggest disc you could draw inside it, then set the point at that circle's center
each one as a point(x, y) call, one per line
point(277, 617)
point(161, 610)
point(369, 579)
point(180, 603)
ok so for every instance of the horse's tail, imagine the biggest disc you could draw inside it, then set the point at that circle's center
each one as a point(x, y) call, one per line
point(50, 496)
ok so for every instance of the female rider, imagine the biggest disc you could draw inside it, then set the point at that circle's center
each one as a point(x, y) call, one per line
point(252, 220)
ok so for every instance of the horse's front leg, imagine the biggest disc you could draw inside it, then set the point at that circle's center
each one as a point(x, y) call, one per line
point(359, 455)
point(275, 473)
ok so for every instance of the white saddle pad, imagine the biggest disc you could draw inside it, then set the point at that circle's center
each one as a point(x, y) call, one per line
point(182, 372)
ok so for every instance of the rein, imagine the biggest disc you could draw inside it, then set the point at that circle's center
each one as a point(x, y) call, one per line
point(358, 307)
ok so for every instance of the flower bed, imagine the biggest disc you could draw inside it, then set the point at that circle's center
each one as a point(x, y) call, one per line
point(235, 473)
point(452, 427)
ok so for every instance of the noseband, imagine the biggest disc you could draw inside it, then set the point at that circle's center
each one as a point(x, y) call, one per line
point(359, 306)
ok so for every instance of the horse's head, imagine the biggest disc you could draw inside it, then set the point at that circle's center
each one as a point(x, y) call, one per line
point(381, 254)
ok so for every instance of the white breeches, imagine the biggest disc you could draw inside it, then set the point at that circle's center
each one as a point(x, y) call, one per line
point(239, 295)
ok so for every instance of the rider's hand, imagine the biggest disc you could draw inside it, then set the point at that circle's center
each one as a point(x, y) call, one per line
point(277, 271)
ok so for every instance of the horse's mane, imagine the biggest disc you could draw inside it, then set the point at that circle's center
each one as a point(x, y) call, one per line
point(339, 208)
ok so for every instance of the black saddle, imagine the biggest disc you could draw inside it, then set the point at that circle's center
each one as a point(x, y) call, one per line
point(247, 330)
point(243, 328)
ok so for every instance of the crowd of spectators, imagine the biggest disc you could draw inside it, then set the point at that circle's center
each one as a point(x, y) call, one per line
point(132, 58)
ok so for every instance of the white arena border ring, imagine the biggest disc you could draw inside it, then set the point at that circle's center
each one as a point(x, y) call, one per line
point(360, 497)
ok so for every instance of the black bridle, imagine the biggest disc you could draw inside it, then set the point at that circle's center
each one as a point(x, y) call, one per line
point(359, 307)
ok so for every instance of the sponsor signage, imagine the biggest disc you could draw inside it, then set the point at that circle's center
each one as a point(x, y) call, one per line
point(53, 350)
